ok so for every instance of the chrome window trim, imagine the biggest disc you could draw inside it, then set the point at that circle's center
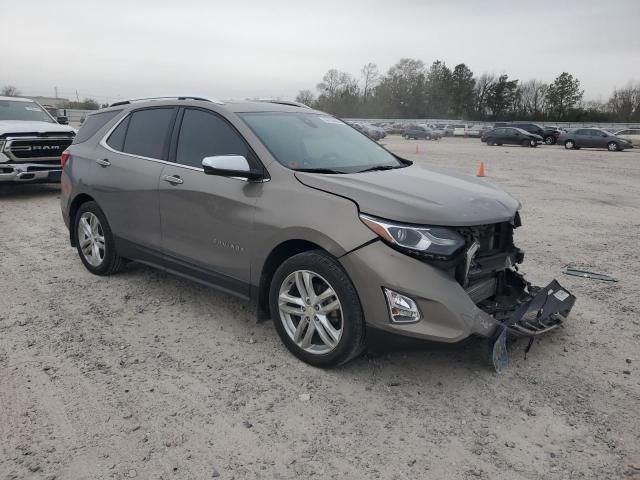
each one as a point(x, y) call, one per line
point(103, 143)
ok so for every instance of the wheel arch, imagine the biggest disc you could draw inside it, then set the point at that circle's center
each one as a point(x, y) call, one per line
point(278, 254)
point(75, 205)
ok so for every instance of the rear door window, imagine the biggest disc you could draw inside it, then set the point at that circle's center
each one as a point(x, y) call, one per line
point(148, 131)
point(92, 124)
point(205, 134)
point(116, 139)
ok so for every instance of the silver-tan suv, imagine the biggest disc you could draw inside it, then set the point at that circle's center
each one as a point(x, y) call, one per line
point(331, 235)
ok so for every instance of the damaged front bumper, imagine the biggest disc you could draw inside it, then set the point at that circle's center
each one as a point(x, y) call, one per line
point(524, 310)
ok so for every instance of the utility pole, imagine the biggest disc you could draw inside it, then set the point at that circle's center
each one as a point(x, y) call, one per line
point(55, 89)
point(77, 96)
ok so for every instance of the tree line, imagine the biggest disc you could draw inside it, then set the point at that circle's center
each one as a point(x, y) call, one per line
point(409, 89)
point(85, 104)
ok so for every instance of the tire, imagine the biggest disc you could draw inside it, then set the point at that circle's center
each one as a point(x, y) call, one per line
point(533, 143)
point(570, 145)
point(347, 317)
point(612, 147)
point(99, 261)
point(525, 143)
point(490, 142)
point(549, 140)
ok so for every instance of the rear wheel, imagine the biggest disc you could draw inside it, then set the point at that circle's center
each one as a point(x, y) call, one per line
point(94, 241)
point(569, 144)
point(612, 147)
point(316, 309)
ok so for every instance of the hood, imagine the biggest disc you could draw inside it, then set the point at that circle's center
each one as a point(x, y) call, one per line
point(420, 195)
point(22, 126)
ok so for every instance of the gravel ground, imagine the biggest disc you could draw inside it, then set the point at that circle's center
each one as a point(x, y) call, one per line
point(147, 375)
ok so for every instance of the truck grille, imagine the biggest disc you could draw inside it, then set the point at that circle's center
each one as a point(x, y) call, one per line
point(36, 148)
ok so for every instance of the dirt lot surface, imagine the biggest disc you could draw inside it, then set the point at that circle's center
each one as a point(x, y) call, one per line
point(150, 376)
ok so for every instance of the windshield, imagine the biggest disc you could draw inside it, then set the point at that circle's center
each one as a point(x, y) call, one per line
point(16, 110)
point(311, 141)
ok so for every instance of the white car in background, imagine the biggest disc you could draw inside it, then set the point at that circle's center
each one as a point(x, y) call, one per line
point(631, 134)
point(460, 130)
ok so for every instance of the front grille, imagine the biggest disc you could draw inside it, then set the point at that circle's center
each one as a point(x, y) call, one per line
point(33, 148)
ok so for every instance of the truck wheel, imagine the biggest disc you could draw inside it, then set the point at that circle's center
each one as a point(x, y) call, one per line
point(316, 310)
point(94, 241)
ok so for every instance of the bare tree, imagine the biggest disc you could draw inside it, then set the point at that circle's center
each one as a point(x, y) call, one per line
point(370, 78)
point(10, 91)
point(532, 98)
point(484, 84)
point(625, 103)
point(306, 97)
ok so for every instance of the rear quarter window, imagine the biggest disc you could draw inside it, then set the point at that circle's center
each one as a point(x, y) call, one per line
point(92, 124)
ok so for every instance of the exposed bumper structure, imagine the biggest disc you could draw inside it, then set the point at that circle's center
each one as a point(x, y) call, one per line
point(501, 302)
point(30, 173)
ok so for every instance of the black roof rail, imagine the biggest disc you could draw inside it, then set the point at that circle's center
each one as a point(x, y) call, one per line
point(170, 97)
point(291, 103)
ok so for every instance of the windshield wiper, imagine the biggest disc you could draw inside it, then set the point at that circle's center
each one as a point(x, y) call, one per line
point(318, 170)
point(380, 167)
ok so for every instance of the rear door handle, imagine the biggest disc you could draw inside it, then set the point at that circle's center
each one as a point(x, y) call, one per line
point(104, 163)
point(174, 179)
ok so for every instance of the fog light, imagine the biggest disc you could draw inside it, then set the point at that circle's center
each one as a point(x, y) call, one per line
point(402, 309)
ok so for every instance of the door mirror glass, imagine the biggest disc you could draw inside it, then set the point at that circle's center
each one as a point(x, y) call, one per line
point(230, 166)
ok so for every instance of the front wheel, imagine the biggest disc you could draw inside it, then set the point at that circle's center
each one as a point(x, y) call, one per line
point(569, 144)
point(549, 140)
point(525, 143)
point(490, 142)
point(316, 310)
point(94, 241)
point(533, 142)
point(612, 147)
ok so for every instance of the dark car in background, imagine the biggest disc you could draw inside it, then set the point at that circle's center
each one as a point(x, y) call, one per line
point(511, 136)
point(593, 138)
point(418, 132)
point(549, 134)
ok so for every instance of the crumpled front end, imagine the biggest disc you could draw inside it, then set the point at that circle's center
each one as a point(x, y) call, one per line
point(489, 273)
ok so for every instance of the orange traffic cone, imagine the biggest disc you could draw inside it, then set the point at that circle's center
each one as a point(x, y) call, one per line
point(417, 148)
point(480, 170)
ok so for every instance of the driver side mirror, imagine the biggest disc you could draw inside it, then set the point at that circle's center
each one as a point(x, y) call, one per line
point(230, 166)
point(62, 120)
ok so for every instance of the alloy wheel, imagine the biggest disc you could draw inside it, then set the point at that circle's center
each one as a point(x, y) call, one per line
point(612, 146)
point(91, 239)
point(310, 312)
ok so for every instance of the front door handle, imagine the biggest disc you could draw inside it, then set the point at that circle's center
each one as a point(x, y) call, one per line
point(174, 179)
point(103, 163)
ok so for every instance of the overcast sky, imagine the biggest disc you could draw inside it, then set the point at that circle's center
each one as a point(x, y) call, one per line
point(273, 48)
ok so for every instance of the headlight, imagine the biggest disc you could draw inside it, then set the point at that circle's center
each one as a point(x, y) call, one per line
point(436, 242)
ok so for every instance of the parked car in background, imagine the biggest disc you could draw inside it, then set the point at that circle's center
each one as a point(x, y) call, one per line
point(549, 134)
point(375, 133)
point(630, 134)
point(31, 142)
point(593, 138)
point(460, 130)
point(511, 136)
point(329, 234)
point(475, 130)
point(443, 129)
point(418, 132)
